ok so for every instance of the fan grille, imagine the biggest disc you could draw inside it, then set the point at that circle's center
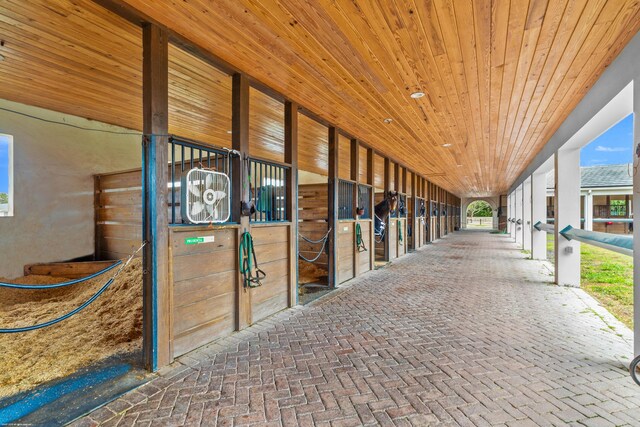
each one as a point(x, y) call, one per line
point(205, 197)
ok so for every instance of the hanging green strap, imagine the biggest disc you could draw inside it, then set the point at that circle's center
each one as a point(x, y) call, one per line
point(359, 241)
point(246, 261)
point(400, 231)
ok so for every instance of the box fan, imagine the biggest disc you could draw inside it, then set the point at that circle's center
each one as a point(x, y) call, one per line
point(205, 197)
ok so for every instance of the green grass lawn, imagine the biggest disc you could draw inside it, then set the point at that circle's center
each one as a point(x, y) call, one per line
point(608, 277)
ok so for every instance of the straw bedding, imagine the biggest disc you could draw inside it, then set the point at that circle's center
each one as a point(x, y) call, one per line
point(111, 324)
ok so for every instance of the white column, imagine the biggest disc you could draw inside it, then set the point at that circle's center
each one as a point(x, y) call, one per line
point(636, 222)
point(567, 212)
point(513, 214)
point(509, 213)
point(588, 211)
point(518, 215)
point(527, 225)
point(538, 213)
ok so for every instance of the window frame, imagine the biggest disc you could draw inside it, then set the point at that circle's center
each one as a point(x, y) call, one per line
point(11, 177)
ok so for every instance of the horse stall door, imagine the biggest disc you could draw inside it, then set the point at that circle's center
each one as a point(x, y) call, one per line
point(204, 277)
point(271, 244)
point(402, 236)
point(392, 235)
point(363, 259)
point(346, 250)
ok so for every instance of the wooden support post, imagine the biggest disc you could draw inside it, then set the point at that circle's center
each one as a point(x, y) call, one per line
point(387, 188)
point(333, 207)
point(397, 183)
point(372, 203)
point(355, 173)
point(240, 142)
point(414, 209)
point(156, 292)
point(291, 157)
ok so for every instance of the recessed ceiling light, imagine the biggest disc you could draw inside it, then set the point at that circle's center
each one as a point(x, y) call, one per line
point(416, 95)
point(459, 166)
point(447, 145)
point(387, 120)
point(228, 131)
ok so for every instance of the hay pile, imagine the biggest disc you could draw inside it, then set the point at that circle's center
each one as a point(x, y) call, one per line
point(311, 273)
point(111, 324)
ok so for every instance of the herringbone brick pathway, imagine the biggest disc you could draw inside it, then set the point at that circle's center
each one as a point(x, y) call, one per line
point(463, 332)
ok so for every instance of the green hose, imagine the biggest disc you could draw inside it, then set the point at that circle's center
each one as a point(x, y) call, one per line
point(359, 241)
point(246, 259)
point(400, 231)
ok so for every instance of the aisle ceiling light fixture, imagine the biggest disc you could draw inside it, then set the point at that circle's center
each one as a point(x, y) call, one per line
point(416, 95)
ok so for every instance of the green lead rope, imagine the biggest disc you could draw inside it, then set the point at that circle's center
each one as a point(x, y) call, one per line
point(359, 241)
point(247, 258)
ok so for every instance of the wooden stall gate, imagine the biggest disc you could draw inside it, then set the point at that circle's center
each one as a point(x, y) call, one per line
point(204, 277)
point(346, 251)
point(363, 258)
point(401, 236)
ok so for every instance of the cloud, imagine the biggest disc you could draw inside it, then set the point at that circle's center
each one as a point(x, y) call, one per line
point(610, 149)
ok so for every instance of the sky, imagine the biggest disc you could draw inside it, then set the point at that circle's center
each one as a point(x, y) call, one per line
point(4, 164)
point(613, 147)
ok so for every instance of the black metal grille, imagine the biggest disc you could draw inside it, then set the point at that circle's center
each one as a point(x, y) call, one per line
point(364, 200)
point(184, 155)
point(345, 199)
point(403, 209)
point(268, 182)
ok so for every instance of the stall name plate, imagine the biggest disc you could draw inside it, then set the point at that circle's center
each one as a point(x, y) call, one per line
point(198, 240)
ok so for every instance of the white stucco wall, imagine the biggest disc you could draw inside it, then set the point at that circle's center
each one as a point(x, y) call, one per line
point(53, 184)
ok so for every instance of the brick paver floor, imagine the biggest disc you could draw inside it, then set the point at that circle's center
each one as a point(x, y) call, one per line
point(463, 332)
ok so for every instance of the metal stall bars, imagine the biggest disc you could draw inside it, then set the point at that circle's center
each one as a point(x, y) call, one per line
point(345, 199)
point(364, 200)
point(268, 182)
point(186, 154)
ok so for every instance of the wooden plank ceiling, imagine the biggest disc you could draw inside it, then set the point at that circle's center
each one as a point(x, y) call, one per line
point(499, 75)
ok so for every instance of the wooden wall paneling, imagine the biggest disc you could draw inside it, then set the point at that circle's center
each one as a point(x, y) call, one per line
point(118, 217)
point(199, 99)
point(344, 156)
point(333, 205)
point(272, 244)
point(393, 176)
point(378, 171)
point(313, 149)
point(204, 292)
point(240, 141)
point(156, 286)
point(364, 166)
point(266, 126)
point(291, 157)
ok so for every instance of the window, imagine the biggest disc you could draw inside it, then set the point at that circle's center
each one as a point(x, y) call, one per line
point(6, 175)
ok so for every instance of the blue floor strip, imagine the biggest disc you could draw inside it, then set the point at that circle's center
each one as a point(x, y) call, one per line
point(29, 402)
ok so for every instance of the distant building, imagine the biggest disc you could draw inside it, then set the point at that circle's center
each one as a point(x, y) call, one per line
point(606, 198)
